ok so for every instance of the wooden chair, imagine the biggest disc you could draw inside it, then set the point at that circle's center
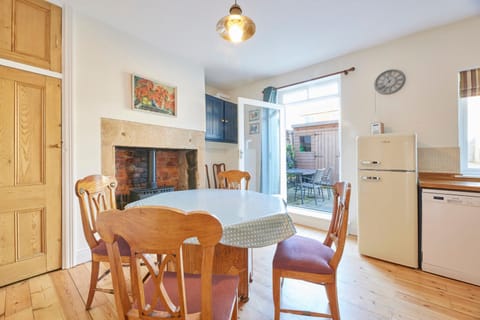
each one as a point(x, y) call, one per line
point(167, 294)
point(208, 176)
point(310, 260)
point(217, 167)
point(96, 193)
point(232, 179)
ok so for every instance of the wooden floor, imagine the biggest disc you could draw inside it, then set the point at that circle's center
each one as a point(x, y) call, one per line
point(368, 289)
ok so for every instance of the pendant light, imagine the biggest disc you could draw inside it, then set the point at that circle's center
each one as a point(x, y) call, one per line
point(236, 27)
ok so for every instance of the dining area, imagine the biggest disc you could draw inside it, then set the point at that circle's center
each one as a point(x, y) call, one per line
point(203, 238)
point(366, 288)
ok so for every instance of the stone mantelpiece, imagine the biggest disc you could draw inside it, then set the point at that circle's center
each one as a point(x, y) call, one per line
point(134, 134)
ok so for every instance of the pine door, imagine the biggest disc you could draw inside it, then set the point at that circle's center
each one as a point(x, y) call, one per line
point(30, 174)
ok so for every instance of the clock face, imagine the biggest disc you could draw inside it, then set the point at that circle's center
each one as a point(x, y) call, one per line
point(390, 81)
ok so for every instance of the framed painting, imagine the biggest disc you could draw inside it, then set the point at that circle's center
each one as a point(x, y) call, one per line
point(254, 128)
point(253, 115)
point(150, 95)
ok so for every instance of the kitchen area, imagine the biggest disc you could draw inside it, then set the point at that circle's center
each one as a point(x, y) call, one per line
point(450, 217)
point(415, 217)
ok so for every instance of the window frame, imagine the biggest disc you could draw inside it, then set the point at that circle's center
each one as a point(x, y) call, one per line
point(463, 138)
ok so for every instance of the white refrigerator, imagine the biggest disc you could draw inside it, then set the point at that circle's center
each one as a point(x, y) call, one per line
point(387, 198)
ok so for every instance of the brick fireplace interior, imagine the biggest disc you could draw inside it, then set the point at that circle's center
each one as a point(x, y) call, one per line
point(143, 172)
point(127, 154)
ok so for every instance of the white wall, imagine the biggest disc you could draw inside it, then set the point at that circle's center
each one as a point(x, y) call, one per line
point(427, 104)
point(103, 61)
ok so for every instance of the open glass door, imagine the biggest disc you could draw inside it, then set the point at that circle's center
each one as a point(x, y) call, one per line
point(261, 143)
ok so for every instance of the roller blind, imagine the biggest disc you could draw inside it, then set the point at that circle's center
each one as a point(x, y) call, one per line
point(470, 83)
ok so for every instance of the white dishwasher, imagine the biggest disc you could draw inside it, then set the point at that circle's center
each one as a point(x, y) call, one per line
point(451, 234)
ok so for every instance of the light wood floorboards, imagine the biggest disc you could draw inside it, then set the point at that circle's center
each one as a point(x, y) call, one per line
point(369, 289)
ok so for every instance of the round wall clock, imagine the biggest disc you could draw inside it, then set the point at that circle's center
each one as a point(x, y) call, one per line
point(390, 81)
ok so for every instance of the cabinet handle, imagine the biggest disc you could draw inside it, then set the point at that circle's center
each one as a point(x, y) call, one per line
point(223, 120)
point(367, 162)
point(226, 121)
point(370, 178)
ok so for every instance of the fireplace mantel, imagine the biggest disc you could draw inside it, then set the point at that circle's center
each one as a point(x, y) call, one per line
point(135, 134)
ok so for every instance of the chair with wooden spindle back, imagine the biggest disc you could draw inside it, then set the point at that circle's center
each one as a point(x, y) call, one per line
point(217, 168)
point(158, 230)
point(207, 176)
point(96, 193)
point(232, 179)
point(310, 260)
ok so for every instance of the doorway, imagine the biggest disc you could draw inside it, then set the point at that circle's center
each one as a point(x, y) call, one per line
point(312, 143)
point(262, 145)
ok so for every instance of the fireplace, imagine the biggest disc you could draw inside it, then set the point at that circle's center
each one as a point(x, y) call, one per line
point(178, 154)
point(143, 172)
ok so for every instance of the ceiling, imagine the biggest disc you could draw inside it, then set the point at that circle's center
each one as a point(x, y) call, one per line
point(291, 34)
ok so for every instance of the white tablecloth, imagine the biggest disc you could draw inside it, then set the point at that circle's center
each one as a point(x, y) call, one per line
point(250, 219)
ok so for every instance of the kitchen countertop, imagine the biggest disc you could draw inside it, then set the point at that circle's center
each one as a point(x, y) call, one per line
point(448, 181)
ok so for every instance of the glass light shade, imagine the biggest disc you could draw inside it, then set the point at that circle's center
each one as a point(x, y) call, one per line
point(236, 27)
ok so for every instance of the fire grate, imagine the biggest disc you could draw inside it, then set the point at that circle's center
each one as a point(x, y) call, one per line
point(139, 194)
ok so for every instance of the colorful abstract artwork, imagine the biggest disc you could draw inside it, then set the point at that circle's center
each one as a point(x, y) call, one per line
point(150, 95)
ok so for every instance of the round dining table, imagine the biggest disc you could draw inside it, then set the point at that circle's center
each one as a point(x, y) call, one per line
point(249, 219)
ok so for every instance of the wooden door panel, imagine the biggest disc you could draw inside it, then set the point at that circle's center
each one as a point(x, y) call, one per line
point(30, 134)
point(30, 210)
point(6, 25)
point(31, 29)
point(31, 33)
point(30, 234)
point(6, 130)
point(7, 240)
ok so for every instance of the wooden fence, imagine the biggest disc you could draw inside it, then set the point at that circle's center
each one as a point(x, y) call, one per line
point(325, 149)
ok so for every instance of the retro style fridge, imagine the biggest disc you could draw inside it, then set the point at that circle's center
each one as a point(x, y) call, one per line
point(387, 198)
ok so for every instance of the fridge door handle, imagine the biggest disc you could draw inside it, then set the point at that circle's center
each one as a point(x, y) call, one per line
point(369, 162)
point(370, 178)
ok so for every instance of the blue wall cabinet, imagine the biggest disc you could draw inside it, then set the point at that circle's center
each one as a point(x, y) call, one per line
point(221, 120)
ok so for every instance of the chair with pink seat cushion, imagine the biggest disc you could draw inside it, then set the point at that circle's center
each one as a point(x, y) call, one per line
point(96, 193)
point(310, 260)
point(167, 292)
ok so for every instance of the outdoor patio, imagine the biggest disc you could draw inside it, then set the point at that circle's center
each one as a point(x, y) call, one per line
point(323, 204)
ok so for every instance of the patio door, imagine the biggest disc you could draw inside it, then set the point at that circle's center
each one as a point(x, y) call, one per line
point(261, 137)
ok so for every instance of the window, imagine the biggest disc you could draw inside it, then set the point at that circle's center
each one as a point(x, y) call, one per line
point(311, 102)
point(468, 115)
point(305, 143)
point(470, 135)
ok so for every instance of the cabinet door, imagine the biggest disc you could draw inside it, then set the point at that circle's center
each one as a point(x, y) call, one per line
point(31, 33)
point(214, 111)
point(230, 117)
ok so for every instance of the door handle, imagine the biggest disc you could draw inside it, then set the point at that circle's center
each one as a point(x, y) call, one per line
point(370, 178)
point(56, 145)
point(369, 162)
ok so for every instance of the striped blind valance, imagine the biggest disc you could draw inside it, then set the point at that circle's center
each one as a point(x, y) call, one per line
point(470, 83)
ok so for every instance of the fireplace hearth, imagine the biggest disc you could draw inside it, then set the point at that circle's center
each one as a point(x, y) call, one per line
point(143, 172)
point(179, 155)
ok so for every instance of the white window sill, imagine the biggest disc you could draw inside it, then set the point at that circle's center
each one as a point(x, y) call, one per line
point(314, 219)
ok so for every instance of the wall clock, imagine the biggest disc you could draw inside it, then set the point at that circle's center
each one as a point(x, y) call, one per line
point(390, 81)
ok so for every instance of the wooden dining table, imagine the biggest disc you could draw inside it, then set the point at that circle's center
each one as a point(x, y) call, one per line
point(250, 220)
